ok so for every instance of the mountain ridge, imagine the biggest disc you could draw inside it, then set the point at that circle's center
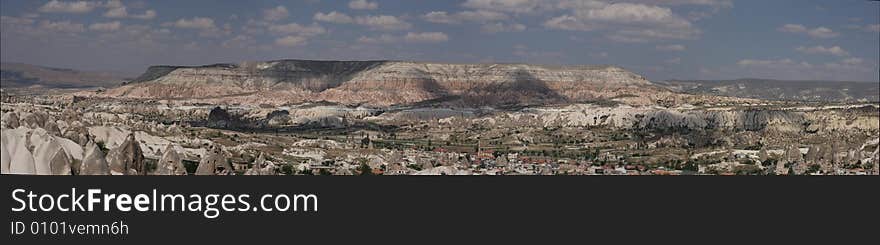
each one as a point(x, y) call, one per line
point(385, 82)
point(14, 74)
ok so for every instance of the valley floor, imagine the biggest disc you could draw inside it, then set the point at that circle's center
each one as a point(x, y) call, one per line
point(60, 134)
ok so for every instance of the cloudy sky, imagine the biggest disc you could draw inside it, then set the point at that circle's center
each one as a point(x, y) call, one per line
point(661, 39)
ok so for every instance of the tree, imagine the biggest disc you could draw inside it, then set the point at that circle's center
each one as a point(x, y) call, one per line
point(814, 168)
point(306, 172)
point(102, 147)
point(365, 141)
point(365, 169)
point(287, 169)
point(324, 171)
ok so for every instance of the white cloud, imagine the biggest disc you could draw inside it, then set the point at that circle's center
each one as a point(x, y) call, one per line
point(570, 23)
point(376, 22)
point(362, 4)
point(75, 7)
point(673, 47)
point(15, 21)
point(429, 37)
point(276, 13)
point(149, 14)
point(334, 17)
point(384, 38)
point(836, 50)
point(120, 12)
point(634, 13)
point(510, 6)
point(195, 23)
point(294, 28)
point(463, 16)
point(502, 27)
point(382, 22)
point(116, 9)
point(822, 32)
point(106, 26)
point(793, 28)
point(646, 35)
point(852, 61)
point(818, 32)
point(628, 21)
point(291, 41)
point(631, 22)
point(754, 62)
point(481, 15)
point(713, 3)
point(61, 26)
point(440, 17)
point(205, 25)
point(410, 37)
point(113, 4)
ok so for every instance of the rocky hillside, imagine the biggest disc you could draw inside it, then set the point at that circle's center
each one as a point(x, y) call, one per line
point(384, 83)
point(14, 75)
point(824, 91)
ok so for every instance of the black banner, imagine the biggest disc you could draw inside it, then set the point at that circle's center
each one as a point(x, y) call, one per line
point(409, 209)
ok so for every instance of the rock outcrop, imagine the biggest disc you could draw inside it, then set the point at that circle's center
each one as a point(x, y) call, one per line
point(214, 162)
point(261, 167)
point(10, 120)
point(127, 158)
point(5, 160)
point(22, 160)
point(94, 161)
point(51, 155)
point(170, 163)
point(50, 159)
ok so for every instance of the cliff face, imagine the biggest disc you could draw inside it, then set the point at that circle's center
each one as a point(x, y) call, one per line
point(383, 83)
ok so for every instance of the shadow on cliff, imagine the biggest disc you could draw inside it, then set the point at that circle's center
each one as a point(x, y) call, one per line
point(520, 90)
point(316, 75)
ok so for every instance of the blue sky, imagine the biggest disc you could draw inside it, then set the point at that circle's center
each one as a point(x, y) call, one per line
point(661, 39)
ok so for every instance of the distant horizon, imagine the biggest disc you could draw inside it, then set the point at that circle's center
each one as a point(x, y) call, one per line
point(132, 75)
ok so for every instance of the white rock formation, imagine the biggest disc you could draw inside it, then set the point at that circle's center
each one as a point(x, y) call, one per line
point(47, 159)
point(127, 158)
point(94, 162)
point(5, 159)
point(214, 162)
point(22, 159)
point(10, 120)
point(170, 163)
point(261, 167)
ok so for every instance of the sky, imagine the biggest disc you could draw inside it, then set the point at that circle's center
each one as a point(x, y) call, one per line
point(660, 39)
